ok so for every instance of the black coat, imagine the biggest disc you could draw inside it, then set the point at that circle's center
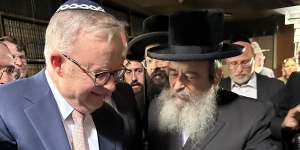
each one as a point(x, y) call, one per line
point(237, 127)
point(288, 97)
point(266, 87)
point(126, 106)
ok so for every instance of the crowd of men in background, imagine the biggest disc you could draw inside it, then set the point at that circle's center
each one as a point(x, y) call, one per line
point(168, 93)
point(13, 60)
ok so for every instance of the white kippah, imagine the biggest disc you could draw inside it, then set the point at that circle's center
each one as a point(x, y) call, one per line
point(79, 6)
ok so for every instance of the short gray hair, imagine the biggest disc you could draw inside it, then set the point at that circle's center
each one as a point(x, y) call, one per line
point(64, 28)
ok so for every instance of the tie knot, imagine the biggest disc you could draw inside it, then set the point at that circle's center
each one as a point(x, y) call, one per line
point(78, 117)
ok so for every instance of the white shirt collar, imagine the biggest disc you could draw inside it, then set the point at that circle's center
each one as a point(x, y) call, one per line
point(64, 107)
point(251, 83)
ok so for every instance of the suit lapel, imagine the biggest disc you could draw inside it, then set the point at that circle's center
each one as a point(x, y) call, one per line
point(109, 127)
point(44, 115)
point(210, 135)
point(259, 87)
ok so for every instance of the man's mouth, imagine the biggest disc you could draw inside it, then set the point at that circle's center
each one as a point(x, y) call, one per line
point(240, 75)
point(183, 98)
point(135, 84)
point(157, 78)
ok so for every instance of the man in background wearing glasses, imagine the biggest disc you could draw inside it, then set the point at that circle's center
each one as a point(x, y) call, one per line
point(62, 107)
point(244, 81)
point(8, 72)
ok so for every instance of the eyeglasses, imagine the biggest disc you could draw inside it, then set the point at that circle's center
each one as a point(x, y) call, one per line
point(10, 70)
point(101, 77)
point(244, 63)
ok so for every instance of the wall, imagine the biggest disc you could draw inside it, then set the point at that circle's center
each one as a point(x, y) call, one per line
point(284, 46)
point(38, 9)
point(267, 42)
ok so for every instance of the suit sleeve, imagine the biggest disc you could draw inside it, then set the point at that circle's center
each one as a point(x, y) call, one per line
point(6, 140)
point(259, 137)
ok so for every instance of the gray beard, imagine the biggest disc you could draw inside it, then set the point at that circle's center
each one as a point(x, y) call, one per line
point(195, 118)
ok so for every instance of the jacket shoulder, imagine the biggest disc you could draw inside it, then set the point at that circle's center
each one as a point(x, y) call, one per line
point(232, 100)
point(268, 80)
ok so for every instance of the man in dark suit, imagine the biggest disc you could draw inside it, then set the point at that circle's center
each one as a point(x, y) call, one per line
point(134, 76)
point(125, 105)
point(193, 114)
point(154, 34)
point(62, 107)
point(244, 81)
point(285, 124)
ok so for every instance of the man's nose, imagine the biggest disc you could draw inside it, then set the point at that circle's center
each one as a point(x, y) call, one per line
point(239, 68)
point(179, 84)
point(133, 76)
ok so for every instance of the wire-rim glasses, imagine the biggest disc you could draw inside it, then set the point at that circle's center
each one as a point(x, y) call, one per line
point(101, 77)
point(244, 63)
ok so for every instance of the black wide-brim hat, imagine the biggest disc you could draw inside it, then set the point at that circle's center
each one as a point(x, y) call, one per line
point(155, 31)
point(196, 35)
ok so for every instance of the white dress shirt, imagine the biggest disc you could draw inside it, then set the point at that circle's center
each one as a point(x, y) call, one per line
point(66, 115)
point(249, 89)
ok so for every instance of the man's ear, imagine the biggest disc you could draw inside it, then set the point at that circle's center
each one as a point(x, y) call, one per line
point(218, 76)
point(56, 61)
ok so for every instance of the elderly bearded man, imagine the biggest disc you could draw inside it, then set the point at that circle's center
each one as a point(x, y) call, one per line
point(193, 114)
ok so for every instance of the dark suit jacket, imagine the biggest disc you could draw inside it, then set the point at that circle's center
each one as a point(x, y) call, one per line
point(30, 119)
point(237, 127)
point(266, 87)
point(288, 98)
point(290, 95)
point(126, 106)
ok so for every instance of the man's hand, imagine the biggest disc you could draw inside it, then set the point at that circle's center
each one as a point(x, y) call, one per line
point(292, 119)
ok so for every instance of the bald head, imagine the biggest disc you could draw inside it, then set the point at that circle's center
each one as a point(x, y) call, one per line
point(248, 50)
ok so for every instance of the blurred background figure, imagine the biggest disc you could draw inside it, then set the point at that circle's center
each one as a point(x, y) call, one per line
point(17, 50)
point(289, 66)
point(154, 34)
point(153, 64)
point(157, 77)
point(8, 72)
point(260, 61)
point(243, 79)
point(134, 76)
